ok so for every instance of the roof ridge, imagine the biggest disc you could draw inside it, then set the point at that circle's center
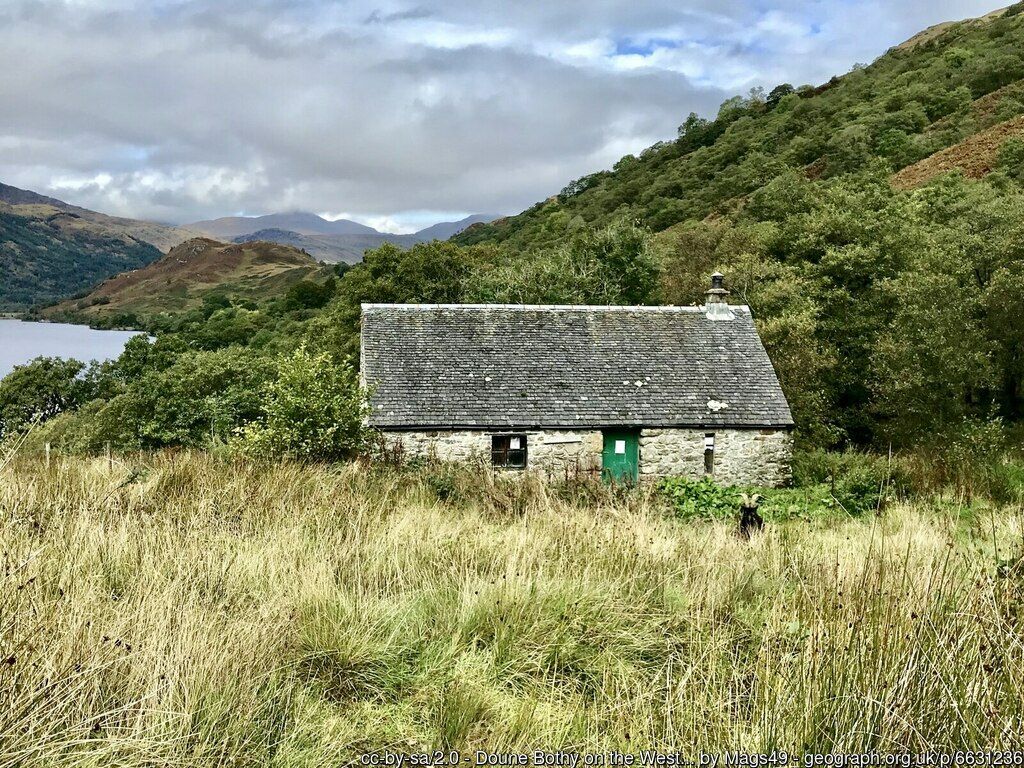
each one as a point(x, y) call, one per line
point(557, 307)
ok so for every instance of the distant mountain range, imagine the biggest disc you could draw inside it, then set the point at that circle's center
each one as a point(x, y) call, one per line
point(329, 248)
point(230, 227)
point(50, 250)
point(330, 241)
point(446, 229)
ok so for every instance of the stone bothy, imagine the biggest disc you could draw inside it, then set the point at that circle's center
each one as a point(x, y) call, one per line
point(635, 393)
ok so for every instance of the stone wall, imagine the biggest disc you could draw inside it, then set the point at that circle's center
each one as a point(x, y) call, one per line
point(554, 452)
point(742, 456)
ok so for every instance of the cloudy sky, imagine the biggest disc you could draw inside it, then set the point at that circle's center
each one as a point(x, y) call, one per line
point(394, 113)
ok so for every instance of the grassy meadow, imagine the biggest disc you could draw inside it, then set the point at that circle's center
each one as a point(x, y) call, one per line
point(183, 609)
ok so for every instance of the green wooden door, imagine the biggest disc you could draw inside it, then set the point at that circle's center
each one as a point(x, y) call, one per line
point(620, 460)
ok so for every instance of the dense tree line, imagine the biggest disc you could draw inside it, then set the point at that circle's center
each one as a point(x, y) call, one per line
point(888, 315)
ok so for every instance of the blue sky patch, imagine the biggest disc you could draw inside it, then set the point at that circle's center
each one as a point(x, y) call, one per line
point(631, 47)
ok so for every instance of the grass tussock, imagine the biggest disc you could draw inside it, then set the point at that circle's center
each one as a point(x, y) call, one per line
point(186, 610)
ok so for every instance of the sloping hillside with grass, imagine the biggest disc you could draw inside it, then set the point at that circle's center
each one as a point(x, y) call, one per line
point(974, 157)
point(197, 271)
point(938, 90)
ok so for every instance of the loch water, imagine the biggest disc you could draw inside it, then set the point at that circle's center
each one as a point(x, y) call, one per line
point(22, 341)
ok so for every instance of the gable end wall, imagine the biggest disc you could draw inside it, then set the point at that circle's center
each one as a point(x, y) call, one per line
point(742, 456)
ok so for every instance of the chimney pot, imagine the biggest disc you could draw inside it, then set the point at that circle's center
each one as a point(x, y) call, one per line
point(717, 306)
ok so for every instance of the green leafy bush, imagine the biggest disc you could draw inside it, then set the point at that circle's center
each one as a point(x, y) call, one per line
point(446, 483)
point(1011, 159)
point(856, 482)
point(705, 500)
point(691, 499)
point(314, 410)
point(40, 390)
point(309, 294)
point(806, 503)
point(972, 460)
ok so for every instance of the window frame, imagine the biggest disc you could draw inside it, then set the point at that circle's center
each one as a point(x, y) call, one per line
point(709, 454)
point(503, 456)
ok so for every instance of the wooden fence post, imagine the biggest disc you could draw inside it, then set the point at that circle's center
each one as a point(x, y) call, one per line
point(47, 455)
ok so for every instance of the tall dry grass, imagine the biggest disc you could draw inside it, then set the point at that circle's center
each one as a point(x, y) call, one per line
point(184, 610)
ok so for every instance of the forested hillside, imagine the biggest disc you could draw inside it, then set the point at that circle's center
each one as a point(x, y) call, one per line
point(912, 102)
point(50, 250)
point(42, 260)
point(873, 223)
point(72, 218)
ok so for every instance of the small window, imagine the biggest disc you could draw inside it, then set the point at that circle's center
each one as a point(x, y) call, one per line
point(709, 453)
point(508, 451)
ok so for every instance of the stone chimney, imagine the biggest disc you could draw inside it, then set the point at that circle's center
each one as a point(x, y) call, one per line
point(717, 305)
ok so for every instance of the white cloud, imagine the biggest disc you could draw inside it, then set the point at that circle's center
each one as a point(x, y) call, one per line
point(76, 184)
point(588, 50)
point(393, 225)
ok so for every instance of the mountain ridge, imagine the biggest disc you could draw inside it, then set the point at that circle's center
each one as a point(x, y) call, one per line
point(446, 229)
point(28, 203)
point(307, 223)
point(333, 248)
point(301, 222)
point(51, 249)
point(45, 258)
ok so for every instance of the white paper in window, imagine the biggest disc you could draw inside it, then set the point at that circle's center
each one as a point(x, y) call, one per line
point(620, 446)
point(513, 444)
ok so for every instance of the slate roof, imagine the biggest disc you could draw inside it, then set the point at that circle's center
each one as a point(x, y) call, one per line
point(440, 366)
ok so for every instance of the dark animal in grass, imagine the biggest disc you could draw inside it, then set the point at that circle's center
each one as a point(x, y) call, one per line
point(750, 520)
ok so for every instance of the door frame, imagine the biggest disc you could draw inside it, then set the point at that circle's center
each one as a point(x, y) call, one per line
point(631, 435)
